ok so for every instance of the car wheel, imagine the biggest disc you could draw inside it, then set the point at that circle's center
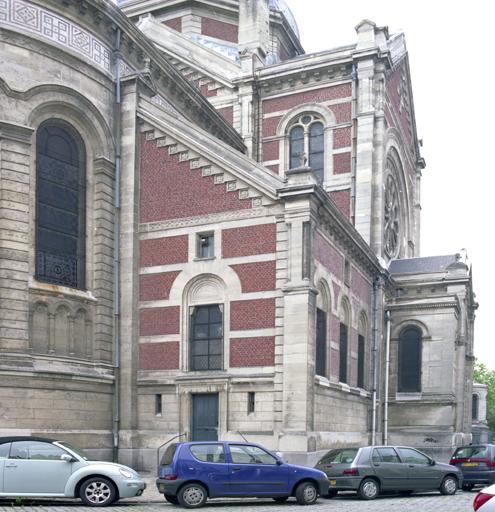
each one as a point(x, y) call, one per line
point(306, 493)
point(369, 489)
point(172, 499)
point(331, 494)
point(192, 495)
point(449, 485)
point(98, 492)
point(281, 499)
point(467, 487)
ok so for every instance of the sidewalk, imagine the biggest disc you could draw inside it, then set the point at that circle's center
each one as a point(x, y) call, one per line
point(150, 494)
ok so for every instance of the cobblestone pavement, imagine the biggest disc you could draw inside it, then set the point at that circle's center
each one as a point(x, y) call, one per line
point(461, 502)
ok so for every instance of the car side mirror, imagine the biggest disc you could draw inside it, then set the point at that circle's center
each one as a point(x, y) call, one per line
point(279, 462)
point(432, 462)
point(67, 458)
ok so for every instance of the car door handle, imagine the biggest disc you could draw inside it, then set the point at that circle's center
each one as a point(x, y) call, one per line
point(235, 469)
point(376, 465)
point(412, 465)
point(11, 465)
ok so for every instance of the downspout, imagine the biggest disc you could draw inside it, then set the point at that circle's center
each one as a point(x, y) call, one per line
point(353, 144)
point(116, 255)
point(387, 371)
point(376, 288)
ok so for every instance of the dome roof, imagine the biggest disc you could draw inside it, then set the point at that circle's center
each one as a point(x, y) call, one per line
point(281, 5)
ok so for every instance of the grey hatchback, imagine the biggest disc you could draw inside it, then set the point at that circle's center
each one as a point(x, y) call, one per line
point(371, 470)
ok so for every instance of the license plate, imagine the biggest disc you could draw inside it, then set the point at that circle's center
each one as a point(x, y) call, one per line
point(333, 482)
point(470, 464)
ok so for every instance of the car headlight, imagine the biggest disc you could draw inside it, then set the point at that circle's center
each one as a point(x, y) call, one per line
point(125, 473)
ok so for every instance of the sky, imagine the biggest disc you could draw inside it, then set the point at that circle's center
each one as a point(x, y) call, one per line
point(450, 46)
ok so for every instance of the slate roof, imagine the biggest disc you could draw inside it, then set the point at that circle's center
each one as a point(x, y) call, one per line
point(429, 264)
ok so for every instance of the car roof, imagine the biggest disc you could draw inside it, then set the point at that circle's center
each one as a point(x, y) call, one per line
point(11, 439)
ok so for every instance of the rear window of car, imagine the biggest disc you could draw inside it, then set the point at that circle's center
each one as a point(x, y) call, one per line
point(343, 456)
point(469, 452)
point(208, 452)
point(168, 456)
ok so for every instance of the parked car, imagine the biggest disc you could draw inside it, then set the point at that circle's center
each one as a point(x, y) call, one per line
point(477, 463)
point(191, 472)
point(371, 470)
point(39, 467)
point(485, 500)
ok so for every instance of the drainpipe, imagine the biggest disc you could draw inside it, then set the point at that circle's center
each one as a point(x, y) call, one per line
point(387, 371)
point(376, 288)
point(116, 255)
point(353, 144)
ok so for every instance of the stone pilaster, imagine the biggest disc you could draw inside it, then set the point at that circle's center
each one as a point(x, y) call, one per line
point(104, 213)
point(15, 171)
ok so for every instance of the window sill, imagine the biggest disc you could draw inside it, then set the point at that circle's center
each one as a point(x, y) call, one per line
point(56, 289)
point(209, 258)
point(404, 397)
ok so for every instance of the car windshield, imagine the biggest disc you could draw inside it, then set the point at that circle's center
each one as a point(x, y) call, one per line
point(345, 456)
point(77, 451)
point(469, 452)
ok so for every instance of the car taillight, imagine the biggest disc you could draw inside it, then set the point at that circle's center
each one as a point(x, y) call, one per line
point(351, 472)
point(452, 462)
point(170, 477)
point(481, 499)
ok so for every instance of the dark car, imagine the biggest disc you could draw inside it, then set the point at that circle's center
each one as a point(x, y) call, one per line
point(191, 472)
point(372, 470)
point(477, 463)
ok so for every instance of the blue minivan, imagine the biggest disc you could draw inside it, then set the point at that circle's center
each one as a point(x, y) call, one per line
point(191, 472)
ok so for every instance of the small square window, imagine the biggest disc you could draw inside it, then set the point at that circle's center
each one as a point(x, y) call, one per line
point(158, 405)
point(251, 402)
point(205, 246)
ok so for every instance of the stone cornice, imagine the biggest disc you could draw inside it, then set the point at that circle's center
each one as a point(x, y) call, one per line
point(16, 132)
point(102, 17)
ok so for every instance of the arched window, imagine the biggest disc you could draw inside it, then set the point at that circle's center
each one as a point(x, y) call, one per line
point(60, 205)
point(345, 319)
point(205, 302)
point(475, 406)
point(409, 371)
point(306, 144)
point(322, 307)
point(361, 355)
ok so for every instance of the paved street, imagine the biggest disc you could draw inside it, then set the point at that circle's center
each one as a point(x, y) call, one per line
point(152, 502)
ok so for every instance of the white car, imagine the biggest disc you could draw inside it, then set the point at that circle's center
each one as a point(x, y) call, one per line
point(485, 500)
point(47, 468)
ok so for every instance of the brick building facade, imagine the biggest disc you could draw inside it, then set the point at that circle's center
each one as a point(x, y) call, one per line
point(243, 232)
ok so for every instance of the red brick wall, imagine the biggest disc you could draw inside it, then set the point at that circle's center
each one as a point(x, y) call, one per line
point(170, 189)
point(175, 23)
point(159, 321)
point(220, 30)
point(394, 86)
point(156, 286)
point(252, 351)
point(207, 93)
point(252, 314)
point(342, 137)
point(273, 168)
point(271, 151)
point(163, 251)
point(249, 240)
point(270, 126)
point(326, 254)
point(360, 286)
point(342, 163)
point(319, 95)
point(227, 113)
point(256, 277)
point(159, 356)
point(342, 198)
